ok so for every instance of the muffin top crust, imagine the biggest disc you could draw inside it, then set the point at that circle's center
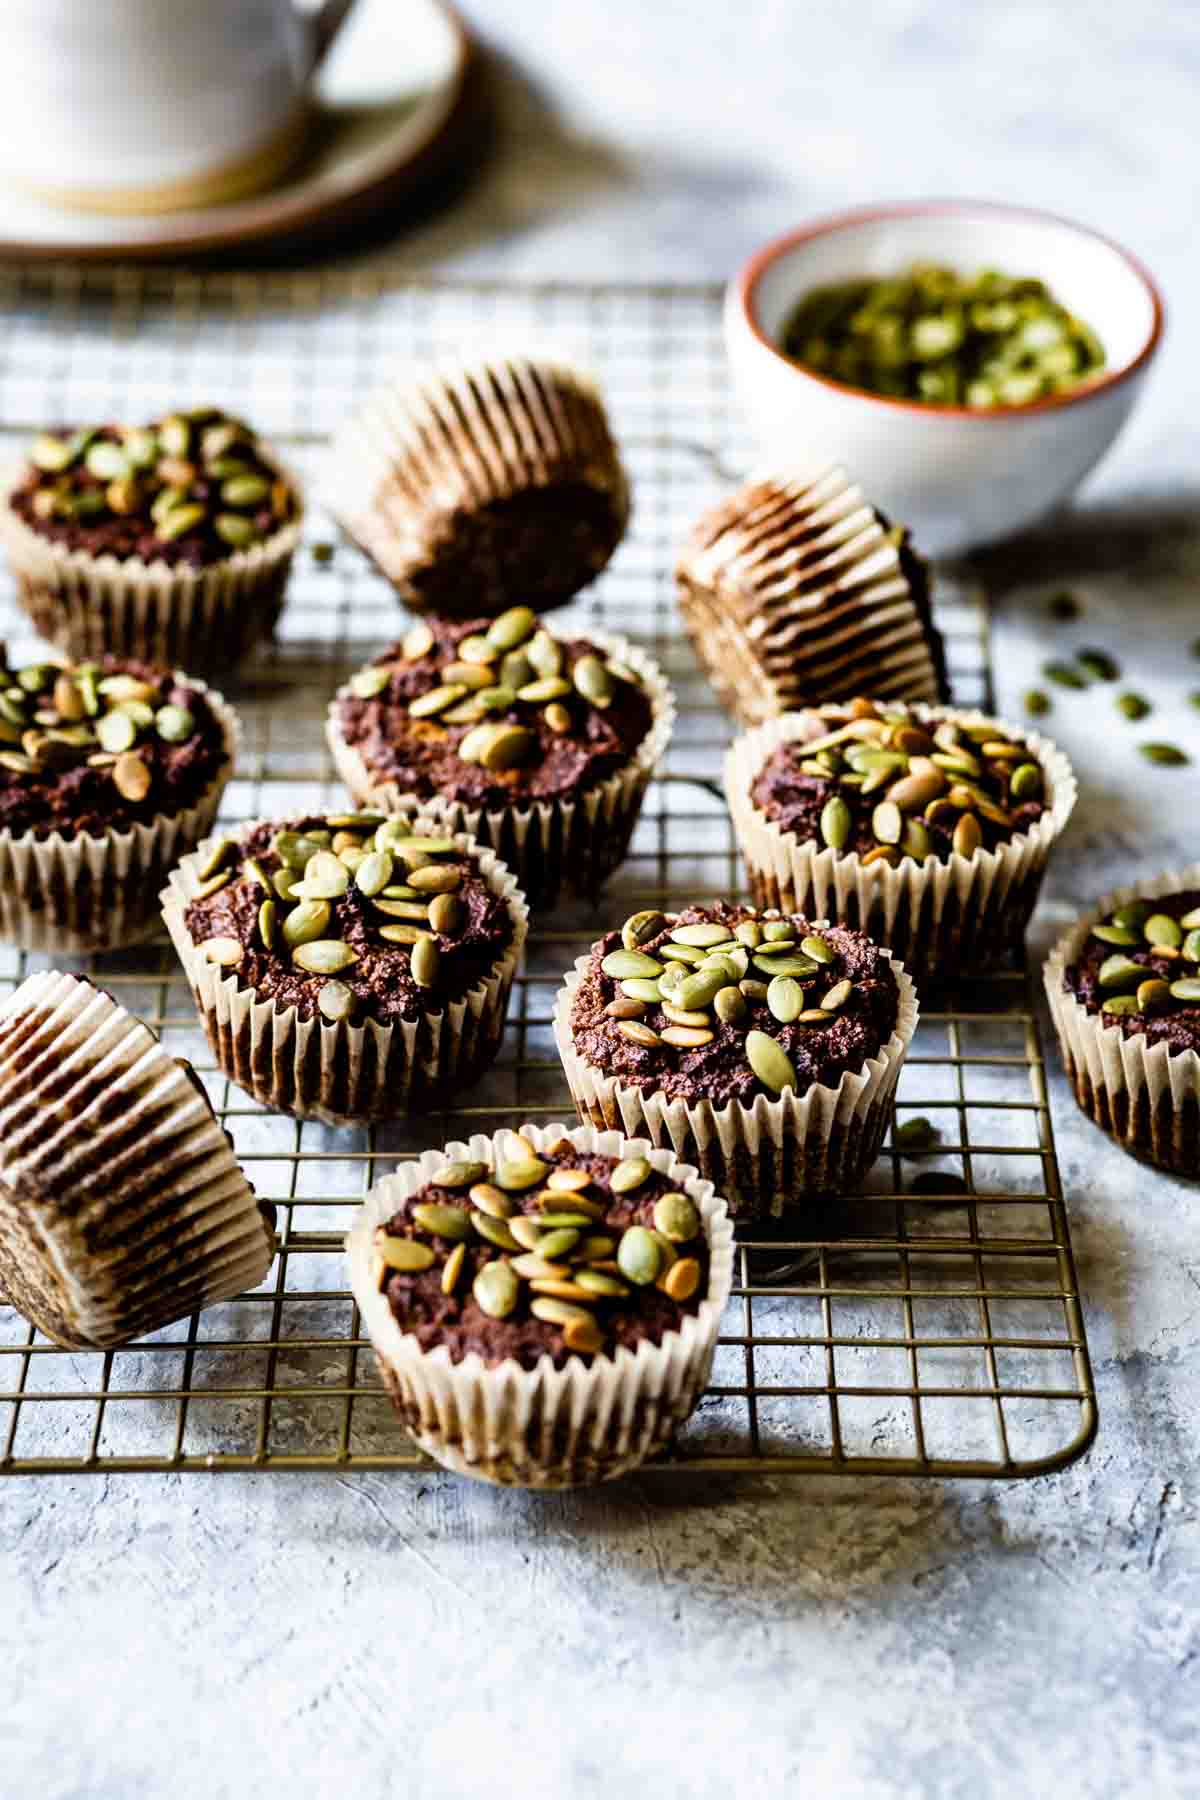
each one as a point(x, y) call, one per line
point(724, 1003)
point(101, 746)
point(555, 1253)
point(1140, 970)
point(349, 917)
point(493, 713)
point(877, 780)
point(188, 490)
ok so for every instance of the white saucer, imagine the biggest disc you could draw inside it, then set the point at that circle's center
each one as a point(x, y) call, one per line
point(390, 94)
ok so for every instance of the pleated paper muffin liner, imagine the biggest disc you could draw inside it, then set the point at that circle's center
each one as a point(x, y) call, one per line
point(122, 1207)
point(346, 1074)
point(572, 841)
point(481, 486)
point(1145, 1098)
point(73, 894)
point(205, 619)
point(768, 1158)
point(799, 586)
point(544, 1427)
point(944, 919)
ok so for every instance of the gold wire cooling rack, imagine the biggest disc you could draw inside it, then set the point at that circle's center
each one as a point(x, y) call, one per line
point(929, 1325)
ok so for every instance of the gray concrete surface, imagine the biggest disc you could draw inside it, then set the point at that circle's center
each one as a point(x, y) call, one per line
point(370, 1636)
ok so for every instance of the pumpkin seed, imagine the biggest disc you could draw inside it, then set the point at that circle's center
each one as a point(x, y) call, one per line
point(425, 962)
point(295, 849)
point(1168, 755)
point(1064, 675)
point(770, 1063)
point(442, 1220)
point(336, 1001)
point(682, 1279)
point(495, 1231)
point(1153, 995)
point(473, 676)
point(1191, 946)
point(1120, 1004)
point(496, 1290)
point(266, 924)
point(534, 1267)
point(730, 1005)
point(779, 931)
point(683, 1037)
point(544, 653)
point(703, 937)
point(680, 953)
point(452, 1268)
point(671, 978)
point(607, 1287)
point(1187, 989)
point(132, 779)
point(116, 732)
point(245, 490)
point(179, 520)
point(638, 1256)
point(583, 1336)
point(638, 987)
point(558, 1312)
point(818, 949)
point(516, 1174)
point(1116, 934)
point(511, 628)
point(491, 1200)
point(640, 927)
point(557, 718)
point(626, 965)
point(914, 1136)
point(307, 922)
point(459, 1174)
point(698, 1021)
point(580, 1211)
point(887, 822)
point(749, 933)
point(446, 914)
point(558, 1243)
point(568, 1181)
point(546, 687)
point(836, 822)
point(219, 852)
point(637, 1033)
point(1036, 703)
point(234, 529)
point(1120, 972)
point(1025, 782)
point(1098, 663)
point(401, 934)
point(785, 999)
point(676, 1217)
point(374, 872)
point(624, 1008)
point(224, 952)
point(597, 1248)
point(368, 683)
point(1134, 913)
point(476, 649)
point(283, 881)
point(406, 1255)
point(802, 966)
point(436, 700)
point(700, 989)
point(593, 681)
point(629, 1174)
point(509, 747)
point(1133, 706)
point(515, 671)
point(326, 877)
point(1161, 928)
point(51, 454)
point(417, 642)
point(324, 956)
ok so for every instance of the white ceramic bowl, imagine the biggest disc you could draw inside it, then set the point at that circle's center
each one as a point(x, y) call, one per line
point(956, 477)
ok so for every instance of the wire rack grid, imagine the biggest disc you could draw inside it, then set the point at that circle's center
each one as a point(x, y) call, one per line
point(929, 1325)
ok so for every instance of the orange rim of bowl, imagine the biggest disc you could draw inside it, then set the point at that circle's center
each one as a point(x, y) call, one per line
point(748, 277)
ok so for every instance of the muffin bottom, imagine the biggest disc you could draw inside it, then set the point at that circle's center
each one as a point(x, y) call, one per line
point(1163, 1134)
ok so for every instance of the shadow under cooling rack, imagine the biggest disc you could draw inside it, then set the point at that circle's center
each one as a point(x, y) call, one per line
point(929, 1325)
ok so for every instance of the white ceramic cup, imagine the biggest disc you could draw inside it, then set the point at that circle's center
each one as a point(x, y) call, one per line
point(149, 105)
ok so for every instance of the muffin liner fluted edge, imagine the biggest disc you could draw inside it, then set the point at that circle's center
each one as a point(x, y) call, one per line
point(206, 619)
point(945, 919)
point(1145, 1098)
point(768, 1158)
point(73, 895)
point(574, 843)
point(344, 1073)
point(544, 1427)
point(122, 1207)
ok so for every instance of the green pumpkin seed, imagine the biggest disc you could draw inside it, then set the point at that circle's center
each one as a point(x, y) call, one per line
point(749, 933)
point(245, 490)
point(1135, 913)
point(417, 642)
point(307, 922)
point(266, 924)
point(326, 877)
point(511, 628)
point(801, 966)
point(778, 931)
point(593, 681)
point(914, 1136)
point(700, 989)
point(402, 934)
point(785, 999)
point(374, 872)
point(107, 462)
point(283, 881)
point(730, 1006)
point(1120, 972)
point(544, 653)
point(558, 1243)
point(476, 649)
point(629, 1174)
point(236, 530)
point(473, 676)
point(1161, 928)
point(426, 962)
point(406, 1255)
point(1098, 664)
point(560, 1312)
point(676, 1217)
point(626, 965)
point(698, 1021)
point(225, 952)
point(638, 987)
point(516, 1174)
point(179, 520)
point(495, 1231)
point(116, 732)
point(1025, 782)
point(1120, 1004)
point(576, 1219)
point(836, 822)
point(496, 1290)
point(459, 1174)
point(436, 700)
point(452, 1222)
point(1153, 995)
point(515, 671)
point(446, 914)
point(637, 1033)
point(369, 682)
point(1036, 703)
point(1168, 755)
point(703, 937)
point(1064, 675)
point(336, 1002)
point(452, 1268)
point(597, 1248)
point(1116, 934)
point(594, 1281)
point(1133, 706)
point(509, 747)
point(557, 718)
point(219, 853)
point(174, 724)
point(672, 977)
point(325, 956)
point(837, 996)
point(680, 953)
point(546, 687)
point(638, 1256)
point(1187, 989)
point(818, 949)
point(296, 849)
point(640, 927)
point(1191, 946)
point(770, 1063)
point(51, 454)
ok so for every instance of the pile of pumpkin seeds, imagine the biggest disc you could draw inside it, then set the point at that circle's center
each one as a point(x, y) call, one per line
point(705, 974)
point(943, 338)
point(412, 890)
point(515, 666)
point(1133, 987)
point(55, 718)
point(558, 1256)
point(948, 773)
point(191, 472)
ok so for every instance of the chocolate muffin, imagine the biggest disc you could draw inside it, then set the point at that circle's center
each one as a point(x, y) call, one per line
point(538, 746)
point(348, 967)
point(761, 1046)
point(170, 541)
point(927, 827)
point(543, 1305)
point(1124, 992)
point(797, 591)
point(109, 772)
point(483, 486)
point(121, 1204)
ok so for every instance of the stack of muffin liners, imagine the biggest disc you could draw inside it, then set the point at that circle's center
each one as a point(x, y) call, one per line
point(343, 1073)
point(795, 592)
point(962, 915)
point(760, 1156)
point(71, 895)
point(1143, 1094)
point(544, 1427)
point(567, 841)
point(122, 1206)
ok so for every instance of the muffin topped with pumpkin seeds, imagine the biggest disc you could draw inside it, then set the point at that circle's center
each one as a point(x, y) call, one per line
point(492, 712)
point(873, 779)
point(1140, 970)
point(98, 747)
point(189, 488)
point(559, 1252)
point(348, 917)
